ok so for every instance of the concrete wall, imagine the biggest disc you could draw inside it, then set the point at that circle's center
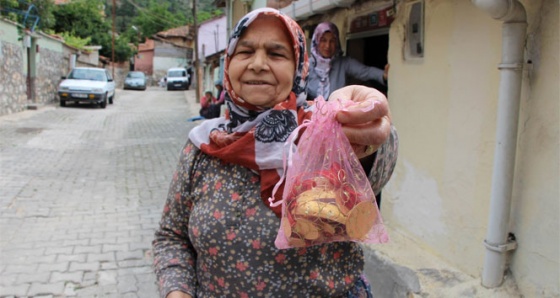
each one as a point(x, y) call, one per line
point(13, 96)
point(119, 72)
point(49, 60)
point(444, 107)
point(145, 62)
point(51, 65)
point(536, 194)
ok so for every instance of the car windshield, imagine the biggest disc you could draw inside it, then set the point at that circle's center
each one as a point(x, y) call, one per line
point(88, 74)
point(135, 75)
point(177, 73)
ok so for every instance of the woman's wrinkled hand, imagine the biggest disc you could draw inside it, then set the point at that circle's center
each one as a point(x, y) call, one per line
point(367, 123)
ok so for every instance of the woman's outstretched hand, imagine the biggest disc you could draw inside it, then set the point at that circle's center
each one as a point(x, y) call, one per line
point(367, 124)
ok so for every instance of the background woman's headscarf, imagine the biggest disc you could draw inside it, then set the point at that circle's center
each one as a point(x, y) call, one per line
point(322, 65)
point(253, 136)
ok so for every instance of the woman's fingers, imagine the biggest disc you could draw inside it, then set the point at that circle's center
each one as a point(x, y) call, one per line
point(357, 114)
point(373, 133)
point(367, 122)
point(368, 104)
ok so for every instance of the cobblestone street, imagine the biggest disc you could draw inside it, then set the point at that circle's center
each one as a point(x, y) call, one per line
point(81, 191)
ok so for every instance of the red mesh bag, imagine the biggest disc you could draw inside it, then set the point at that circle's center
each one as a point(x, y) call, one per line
point(327, 196)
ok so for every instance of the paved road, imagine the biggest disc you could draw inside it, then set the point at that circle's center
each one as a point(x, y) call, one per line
point(81, 191)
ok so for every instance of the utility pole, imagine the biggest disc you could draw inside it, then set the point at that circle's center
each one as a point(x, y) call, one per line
point(113, 40)
point(197, 60)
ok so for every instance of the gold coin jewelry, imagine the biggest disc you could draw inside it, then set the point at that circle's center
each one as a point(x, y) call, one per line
point(360, 220)
point(306, 229)
point(320, 210)
point(296, 242)
point(315, 194)
point(287, 227)
point(328, 229)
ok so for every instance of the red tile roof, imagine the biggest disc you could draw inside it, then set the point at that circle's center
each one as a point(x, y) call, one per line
point(176, 32)
point(146, 46)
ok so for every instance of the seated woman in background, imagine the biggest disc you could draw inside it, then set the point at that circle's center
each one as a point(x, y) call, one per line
point(221, 94)
point(210, 108)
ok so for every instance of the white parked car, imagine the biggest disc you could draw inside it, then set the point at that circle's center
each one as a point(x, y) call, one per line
point(87, 85)
point(178, 78)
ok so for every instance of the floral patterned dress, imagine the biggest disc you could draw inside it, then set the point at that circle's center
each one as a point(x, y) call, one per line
point(216, 237)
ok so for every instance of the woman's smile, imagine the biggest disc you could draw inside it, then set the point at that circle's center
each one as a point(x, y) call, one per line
point(256, 83)
point(262, 67)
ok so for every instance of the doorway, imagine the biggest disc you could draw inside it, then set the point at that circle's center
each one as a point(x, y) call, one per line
point(371, 49)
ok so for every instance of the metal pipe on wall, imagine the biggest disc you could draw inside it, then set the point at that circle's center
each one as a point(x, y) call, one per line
point(497, 244)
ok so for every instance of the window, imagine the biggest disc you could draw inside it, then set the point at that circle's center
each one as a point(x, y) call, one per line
point(414, 43)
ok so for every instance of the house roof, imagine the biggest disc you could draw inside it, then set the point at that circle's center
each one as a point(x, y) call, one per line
point(146, 46)
point(183, 31)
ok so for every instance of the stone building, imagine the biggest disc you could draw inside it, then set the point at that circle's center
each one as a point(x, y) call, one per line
point(164, 50)
point(32, 64)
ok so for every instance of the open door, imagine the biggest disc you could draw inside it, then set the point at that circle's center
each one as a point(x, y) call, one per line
point(371, 51)
point(368, 42)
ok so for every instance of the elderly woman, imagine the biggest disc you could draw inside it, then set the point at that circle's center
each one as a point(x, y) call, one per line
point(328, 67)
point(216, 235)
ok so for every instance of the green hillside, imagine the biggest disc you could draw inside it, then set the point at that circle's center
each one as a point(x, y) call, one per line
point(90, 22)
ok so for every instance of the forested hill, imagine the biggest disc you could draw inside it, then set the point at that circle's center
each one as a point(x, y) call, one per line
point(89, 22)
point(162, 14)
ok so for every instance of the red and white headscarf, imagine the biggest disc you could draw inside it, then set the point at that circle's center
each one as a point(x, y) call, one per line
point(254, 136)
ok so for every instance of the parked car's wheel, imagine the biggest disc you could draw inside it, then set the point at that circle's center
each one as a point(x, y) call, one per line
point(111, 99)
point(103, 103)
point(62, 103)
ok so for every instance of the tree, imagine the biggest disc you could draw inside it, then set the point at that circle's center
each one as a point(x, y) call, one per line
point(28, 12)
point(157, 17)
point(85, 18)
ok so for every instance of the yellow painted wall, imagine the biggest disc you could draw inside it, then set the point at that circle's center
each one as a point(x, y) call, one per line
point(444, 107)
point(536, 194)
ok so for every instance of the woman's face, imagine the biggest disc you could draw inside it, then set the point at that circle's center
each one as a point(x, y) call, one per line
point(262, 67)
point(327, 45)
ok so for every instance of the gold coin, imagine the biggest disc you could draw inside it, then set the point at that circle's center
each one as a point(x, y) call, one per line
point(327, 228)
point(287, 227)
point(306, 229)
point(320, 210)
point(360, 220)
point(315, 194)
point(296, 242)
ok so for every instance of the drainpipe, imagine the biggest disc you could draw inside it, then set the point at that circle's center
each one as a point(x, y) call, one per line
point(497, 244)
